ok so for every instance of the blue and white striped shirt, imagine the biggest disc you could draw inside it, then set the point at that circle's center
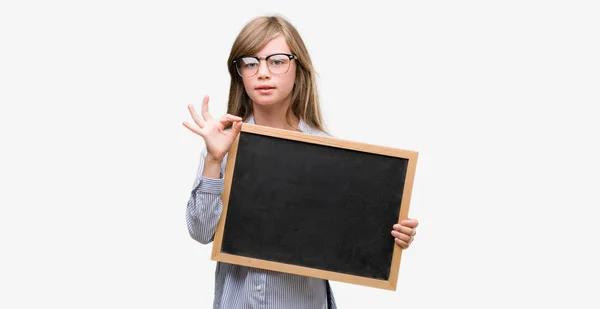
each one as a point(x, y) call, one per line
point(244, 287)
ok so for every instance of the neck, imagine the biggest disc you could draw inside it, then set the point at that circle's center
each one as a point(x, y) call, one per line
point(274, 116)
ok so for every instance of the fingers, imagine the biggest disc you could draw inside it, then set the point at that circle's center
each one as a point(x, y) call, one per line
point(402, 243)
point(405, 230)
point(191, 128)
point(200, 121)
point(197, 119)
point(229, 118)
point(410, 223)
point(237, 127)
point(205, 112)
point(233, 118)
point(403, 237)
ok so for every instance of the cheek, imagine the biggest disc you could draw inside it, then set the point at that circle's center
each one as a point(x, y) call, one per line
point(289, 80)
point(288, 84)
point(247, 86)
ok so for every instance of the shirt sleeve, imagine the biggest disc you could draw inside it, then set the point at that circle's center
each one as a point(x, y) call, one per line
point(204, 206)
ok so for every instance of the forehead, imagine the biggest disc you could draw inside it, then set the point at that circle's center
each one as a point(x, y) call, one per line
point(276, 45)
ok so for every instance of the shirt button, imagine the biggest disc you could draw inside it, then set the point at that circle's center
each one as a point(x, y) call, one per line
point(258, 287)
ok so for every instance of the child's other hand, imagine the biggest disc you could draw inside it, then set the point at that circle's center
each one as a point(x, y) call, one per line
point(405, 232)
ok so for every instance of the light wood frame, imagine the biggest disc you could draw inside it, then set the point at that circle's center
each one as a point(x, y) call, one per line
point(389, 284)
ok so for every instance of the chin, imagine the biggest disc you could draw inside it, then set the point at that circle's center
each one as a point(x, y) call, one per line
point(265, 101)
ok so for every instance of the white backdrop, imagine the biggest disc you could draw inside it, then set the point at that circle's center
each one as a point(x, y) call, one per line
point(497, 96)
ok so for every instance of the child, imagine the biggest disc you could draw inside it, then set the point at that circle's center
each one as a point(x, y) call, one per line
point(272, 84)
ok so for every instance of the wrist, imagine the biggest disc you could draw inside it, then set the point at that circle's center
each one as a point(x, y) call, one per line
point(212, 167)
point(211, 159)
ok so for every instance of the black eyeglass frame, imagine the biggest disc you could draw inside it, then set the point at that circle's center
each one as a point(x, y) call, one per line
point(266, 58)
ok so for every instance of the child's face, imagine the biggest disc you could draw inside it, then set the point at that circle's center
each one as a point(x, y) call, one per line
point(280, 85)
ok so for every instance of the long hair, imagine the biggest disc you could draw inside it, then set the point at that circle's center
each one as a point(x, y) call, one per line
point(252, 38)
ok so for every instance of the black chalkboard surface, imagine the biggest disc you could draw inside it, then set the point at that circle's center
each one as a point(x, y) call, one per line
point(314, 206)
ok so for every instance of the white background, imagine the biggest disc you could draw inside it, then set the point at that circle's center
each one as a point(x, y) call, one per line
point(497, 96)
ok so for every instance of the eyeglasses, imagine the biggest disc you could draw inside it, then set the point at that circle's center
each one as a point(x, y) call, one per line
point(278, 64)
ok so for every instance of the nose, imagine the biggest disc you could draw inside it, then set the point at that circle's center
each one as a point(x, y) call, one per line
point(263, 70)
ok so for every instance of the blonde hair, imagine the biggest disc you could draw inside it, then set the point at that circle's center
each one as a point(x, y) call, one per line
point(251, 39)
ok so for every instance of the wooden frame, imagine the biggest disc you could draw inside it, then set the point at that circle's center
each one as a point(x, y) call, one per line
point(389, 284)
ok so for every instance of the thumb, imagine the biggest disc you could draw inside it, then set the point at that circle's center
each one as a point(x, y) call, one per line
point(236, 128)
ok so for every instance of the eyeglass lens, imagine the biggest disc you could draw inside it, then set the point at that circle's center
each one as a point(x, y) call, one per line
point(277, 64)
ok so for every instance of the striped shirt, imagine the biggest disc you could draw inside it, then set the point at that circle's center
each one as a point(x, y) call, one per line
point(244, 287)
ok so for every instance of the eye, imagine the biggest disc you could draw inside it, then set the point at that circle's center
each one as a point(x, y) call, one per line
point(278, 61)
point(250, 65)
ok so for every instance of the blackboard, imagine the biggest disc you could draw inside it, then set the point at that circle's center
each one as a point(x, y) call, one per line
point(314, 206)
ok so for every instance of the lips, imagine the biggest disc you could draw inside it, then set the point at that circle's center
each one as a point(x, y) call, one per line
point(265, 89)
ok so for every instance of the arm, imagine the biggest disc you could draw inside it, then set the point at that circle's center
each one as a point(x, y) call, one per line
point(204, 206)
